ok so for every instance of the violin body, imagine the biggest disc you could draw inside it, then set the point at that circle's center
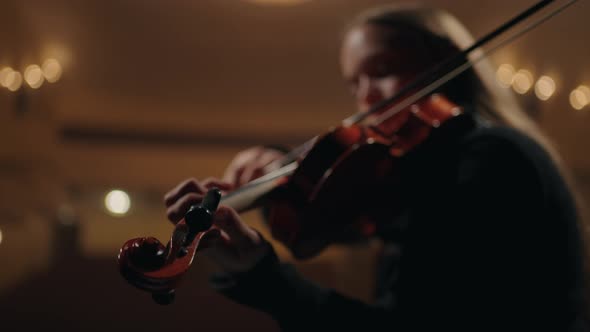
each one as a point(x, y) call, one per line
point(337, 192)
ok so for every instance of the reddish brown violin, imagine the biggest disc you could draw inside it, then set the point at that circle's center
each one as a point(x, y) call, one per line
point(305, 196)
point(314, 198)
point(336, 187)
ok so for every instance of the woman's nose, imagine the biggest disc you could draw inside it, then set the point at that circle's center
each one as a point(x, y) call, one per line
point(368, 93)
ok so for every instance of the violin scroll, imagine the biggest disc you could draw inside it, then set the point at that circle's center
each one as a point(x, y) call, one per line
point(149, 265)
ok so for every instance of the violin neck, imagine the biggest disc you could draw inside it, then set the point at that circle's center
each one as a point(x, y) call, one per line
point(251, 195)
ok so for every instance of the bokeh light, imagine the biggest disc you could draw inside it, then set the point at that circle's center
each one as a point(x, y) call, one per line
point(52, 70)
point(523, 81)
point(545, 87)
point(4, 76)
point(34, 76)
point(14, 80)
point(117, 202)
point(580, 97)
point(505, 75)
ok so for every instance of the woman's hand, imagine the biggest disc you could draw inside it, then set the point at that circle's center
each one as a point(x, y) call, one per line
point(251, 164)
point(233, 245)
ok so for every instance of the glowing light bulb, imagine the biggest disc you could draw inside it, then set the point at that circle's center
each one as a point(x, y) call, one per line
point(117, 202)
point(505, 75)
point(0, 236)
point(580, 97)
point(545, 87)
point(52, 70)
point(523, 81)
point(4, 76)
point(14, 80)
point(34, 76)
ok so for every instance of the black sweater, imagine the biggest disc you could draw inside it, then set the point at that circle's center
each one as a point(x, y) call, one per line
point(489, 242)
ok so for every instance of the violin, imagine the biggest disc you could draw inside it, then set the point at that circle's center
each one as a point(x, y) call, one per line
point(325, 188)
point(306, 211)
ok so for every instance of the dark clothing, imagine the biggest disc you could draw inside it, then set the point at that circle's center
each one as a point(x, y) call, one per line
point(489, 242)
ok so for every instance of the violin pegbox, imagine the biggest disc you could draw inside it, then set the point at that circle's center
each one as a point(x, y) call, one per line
point(150, 266)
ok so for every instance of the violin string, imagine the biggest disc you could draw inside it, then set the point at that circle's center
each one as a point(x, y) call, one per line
point(285, 166)
point(285, 170)
point(446, 65)
point(455, 72)
point(291, 156)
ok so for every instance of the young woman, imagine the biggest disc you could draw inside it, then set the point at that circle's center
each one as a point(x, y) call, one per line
point(489, 236)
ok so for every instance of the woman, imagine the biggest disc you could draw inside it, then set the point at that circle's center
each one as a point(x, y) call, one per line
point(489, 236)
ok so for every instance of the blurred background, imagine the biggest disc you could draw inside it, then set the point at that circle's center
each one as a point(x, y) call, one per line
point(107, 105)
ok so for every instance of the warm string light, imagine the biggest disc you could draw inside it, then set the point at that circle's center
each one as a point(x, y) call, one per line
point(522, 81)
point(52, 70)
point(580, 97)
point(505, 75)
point(10, 79)
point(34, 75)
point(14, 80)
point(4, 72)
point(544, 88)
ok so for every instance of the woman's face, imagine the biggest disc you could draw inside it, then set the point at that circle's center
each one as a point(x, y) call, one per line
point(376, 62)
